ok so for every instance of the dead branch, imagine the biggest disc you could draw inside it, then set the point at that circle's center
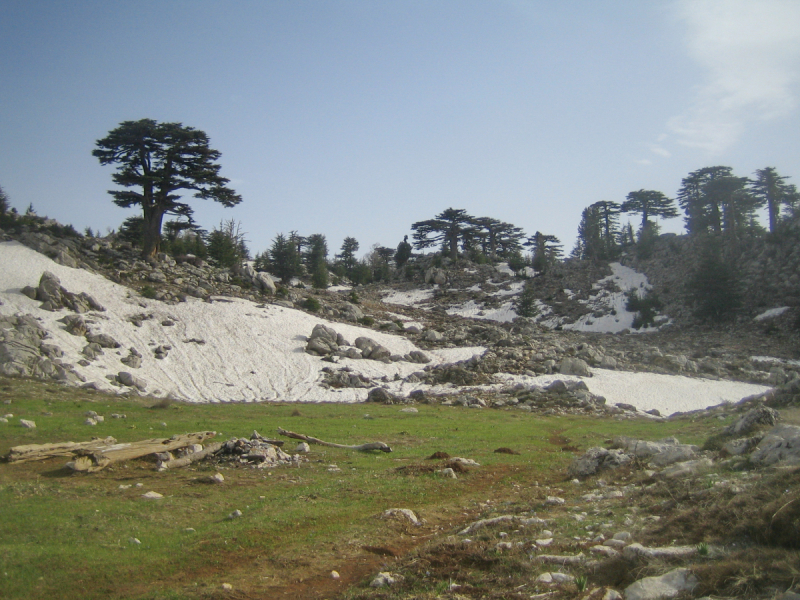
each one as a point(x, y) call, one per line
point(30, 452)
point(312, 440)
point(96, 459)
point(190, 458)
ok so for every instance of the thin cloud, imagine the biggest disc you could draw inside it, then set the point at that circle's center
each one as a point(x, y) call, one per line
point(751, 54)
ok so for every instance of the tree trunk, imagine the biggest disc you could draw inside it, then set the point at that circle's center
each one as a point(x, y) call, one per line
point(151, 232)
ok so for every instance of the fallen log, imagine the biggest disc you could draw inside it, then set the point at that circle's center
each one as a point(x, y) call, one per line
point(30, 452)
point(312, 440)
point(95, 459)
point(189, 458)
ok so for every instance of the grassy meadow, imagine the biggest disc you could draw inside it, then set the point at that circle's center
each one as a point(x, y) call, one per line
point(65, 535)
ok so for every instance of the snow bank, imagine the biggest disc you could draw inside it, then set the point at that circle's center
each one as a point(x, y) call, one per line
point(223, 351)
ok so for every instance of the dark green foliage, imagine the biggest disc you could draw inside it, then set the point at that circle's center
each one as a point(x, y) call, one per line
point(598, 232)
point(148, 291)
point(646, 307)
point(525, 304)
point(403, 253)
point(353, 297)
point(131, 231)
point(312, 304)
point(770, 190)
point(347, 257)
point(284, 259)
point(361, 274)
point(517, 262)
point(367, 320)
point(379, 260)
point(226, 244)
point(649, 203)
point(714, 286)
point(316, 259)
point(702, 214)
point(3, 202)
point(446, 229)
point(496, 238)
point(159, 160)
point(546, 251)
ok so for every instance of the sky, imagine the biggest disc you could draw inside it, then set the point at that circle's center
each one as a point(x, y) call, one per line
point(360, 117)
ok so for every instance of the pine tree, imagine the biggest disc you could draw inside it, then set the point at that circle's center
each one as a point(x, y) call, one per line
point(162, 159)
point(3, 202)
point(403, 253)
point(347, 256)
point(317, 260)
point(649, 203)
point(446, 229)
point(547, 251)
point(771, 191)
point(284, 258)
point(227, 245)
point(702, 213)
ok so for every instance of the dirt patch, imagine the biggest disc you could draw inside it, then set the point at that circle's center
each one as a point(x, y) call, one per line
point(438, 456)
point(505, 450)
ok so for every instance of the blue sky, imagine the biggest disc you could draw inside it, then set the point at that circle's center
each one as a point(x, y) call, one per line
point(358, 118)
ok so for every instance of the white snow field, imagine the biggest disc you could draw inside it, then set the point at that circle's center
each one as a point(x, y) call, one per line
point(256, 354)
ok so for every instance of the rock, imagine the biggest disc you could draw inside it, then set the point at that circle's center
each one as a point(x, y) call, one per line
point(555, 501)
point(668, 585)
point(27, 424)
point(683, 469)
point(152, 496)
point(437, 276)
point(383, 579)
point(371, 349)
point(634, 551)
point(303, 448)
point(760, 415)
point(103, 340)
point(742, 445)
point(227, 587)
point(416, 356)
point(403, 513)
point(49, 289)
point(335, 575)
point(265, 282)
point(323, 341)
point(130, 380)
point(431, 335)
point(381, 395)
point(447, 473)
point(235, 515)
point(595, 460)
point(781, 444)
point(574, 366)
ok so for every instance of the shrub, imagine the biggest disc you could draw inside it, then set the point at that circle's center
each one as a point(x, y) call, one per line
point(148, 291)
point(312, 304)
point(645, 307)
point(367, 320)
point(525, 304)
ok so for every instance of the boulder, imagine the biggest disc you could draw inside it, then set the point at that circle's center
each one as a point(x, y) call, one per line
point(781, 444)
point(323, 341)
point(130, 380)
point(595, 460)
point(265, 282)
point(103, 340)
point(372, 349)
point(669, 585)
point(760, 415)
point(381, 395)
point(574, 366)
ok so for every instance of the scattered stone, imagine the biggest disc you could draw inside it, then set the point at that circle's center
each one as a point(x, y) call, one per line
point(383, 579)
point(780, 444)
point(760, 415)
point(403, 513)
point(27, 424)
point(335, 575)
point(668, 585)
point(303, 448)
point(151, 495)
point(597, 459)
point(235, 515)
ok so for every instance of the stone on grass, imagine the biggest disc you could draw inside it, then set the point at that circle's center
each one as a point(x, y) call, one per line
point(669, 585)
point(235, 514)
point(303, 448)
point(402, 513)
point(780, 444)
point(383, 579)
point(760, 415)
point(27, 424)
point(597, 459)
point(152, 496)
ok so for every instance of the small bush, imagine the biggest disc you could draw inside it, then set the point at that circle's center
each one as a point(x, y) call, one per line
point(353, 297)
point(646, 307)
point(312, 304)
point(148, 291)
point(367, 320)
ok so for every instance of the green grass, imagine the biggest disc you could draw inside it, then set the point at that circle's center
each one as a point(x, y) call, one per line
point(69, 536)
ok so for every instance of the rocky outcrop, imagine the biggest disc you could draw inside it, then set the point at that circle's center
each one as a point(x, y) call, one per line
point(54, 297)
